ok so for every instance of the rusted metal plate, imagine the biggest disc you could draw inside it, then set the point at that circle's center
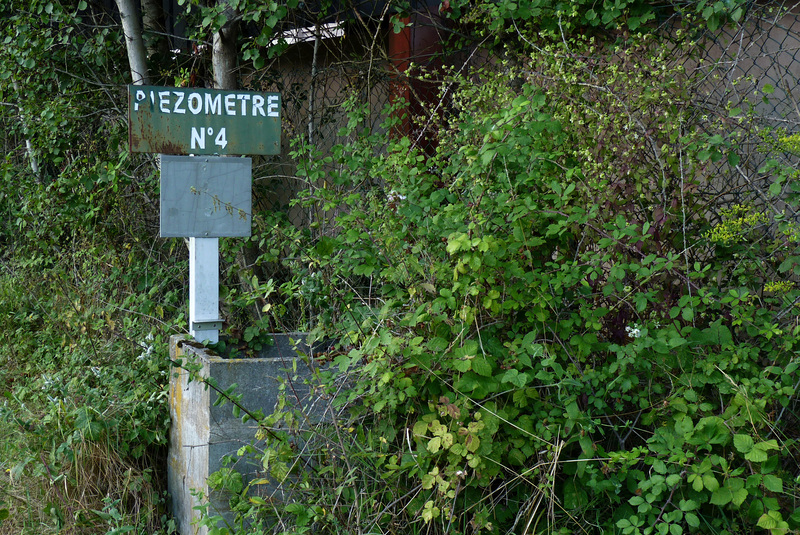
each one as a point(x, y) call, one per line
point(205, 196)
point(176, 120)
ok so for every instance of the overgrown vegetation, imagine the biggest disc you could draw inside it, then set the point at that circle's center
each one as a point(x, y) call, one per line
point(561, 333)
point(87, 298)
point(544, 321)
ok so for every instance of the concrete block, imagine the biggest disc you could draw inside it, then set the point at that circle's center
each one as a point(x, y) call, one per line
point(202, 434)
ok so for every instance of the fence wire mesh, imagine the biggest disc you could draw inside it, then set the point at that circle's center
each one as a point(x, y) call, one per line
point(752, 69)
point(748, 69)
point(752, 66)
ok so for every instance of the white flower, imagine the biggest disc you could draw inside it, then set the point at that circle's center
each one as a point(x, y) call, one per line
point(393, 196)
point(635, 331)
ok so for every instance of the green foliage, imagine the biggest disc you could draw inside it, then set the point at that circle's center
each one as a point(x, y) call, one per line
point(84, 397)
point(265, 16)
point(556, 337)
point(560, 16)
point(87, 300)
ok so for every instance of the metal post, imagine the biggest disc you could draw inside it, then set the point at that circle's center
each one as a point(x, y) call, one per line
point(204, 321)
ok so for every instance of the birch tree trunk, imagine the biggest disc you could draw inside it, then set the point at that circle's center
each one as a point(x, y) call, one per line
point(224, 55)
point(137, 55)
point(224, 61)
point(153, 20)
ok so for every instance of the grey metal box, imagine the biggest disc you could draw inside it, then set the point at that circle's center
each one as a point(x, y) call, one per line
point(205, 196)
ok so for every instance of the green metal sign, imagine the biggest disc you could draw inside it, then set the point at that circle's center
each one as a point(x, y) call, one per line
point(177, 120)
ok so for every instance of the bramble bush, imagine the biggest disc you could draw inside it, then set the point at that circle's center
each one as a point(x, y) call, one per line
point(559, 335)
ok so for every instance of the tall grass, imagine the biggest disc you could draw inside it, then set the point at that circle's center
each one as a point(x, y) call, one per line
point(83, 379)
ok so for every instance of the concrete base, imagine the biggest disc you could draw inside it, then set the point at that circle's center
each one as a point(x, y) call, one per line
point(202, 434)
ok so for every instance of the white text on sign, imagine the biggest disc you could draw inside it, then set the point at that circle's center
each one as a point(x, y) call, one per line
point(199, 137)
point(228, 105)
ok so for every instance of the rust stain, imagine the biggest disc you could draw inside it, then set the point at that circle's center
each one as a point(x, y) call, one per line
point(154, 129)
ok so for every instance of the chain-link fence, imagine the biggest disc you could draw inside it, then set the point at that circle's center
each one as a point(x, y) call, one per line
point(749, 69)
point(743, 83)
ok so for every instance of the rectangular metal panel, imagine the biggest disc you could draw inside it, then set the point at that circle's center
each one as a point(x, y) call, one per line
point(177, 120)
point(205, 196)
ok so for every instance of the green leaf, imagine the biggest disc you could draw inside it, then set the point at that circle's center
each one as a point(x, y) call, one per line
point(574, 496)
point(710, 482)
point(515, 378)
point(771, 464)
point(759, 452)
point(738, 492)
point(227, 479)
point(771, 520)
point(721, 496)
point(743, 443)
point(755, 510)
point(481, 366)
point(325, 246)
point(795, 518)
point(773, 483)
point(462, 364)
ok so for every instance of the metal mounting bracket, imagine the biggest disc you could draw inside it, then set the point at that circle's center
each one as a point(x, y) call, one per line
point(206, 325)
